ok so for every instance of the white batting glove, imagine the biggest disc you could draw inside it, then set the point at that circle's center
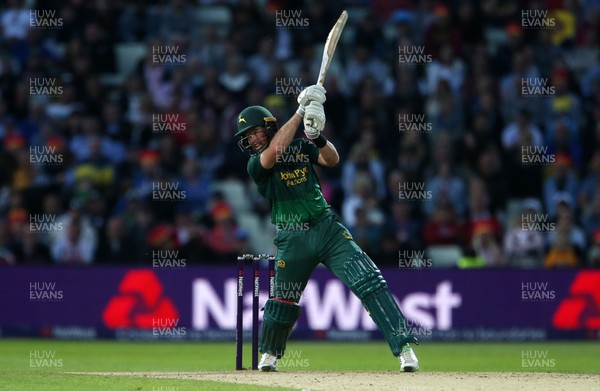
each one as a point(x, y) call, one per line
point(314, 120)
point(311, 93)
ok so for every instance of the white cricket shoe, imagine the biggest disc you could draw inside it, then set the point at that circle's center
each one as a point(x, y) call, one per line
point(268, 363)
point(408, 360)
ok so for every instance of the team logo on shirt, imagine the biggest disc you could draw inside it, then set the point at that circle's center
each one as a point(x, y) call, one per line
point(294, 177)
point(281, 263)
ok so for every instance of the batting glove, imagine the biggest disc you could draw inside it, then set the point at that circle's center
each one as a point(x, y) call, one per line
point(314, 120)
point(312, 93)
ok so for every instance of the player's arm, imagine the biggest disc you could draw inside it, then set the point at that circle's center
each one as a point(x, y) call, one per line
point(285, 134)
point(280, 142)
point(328, 155)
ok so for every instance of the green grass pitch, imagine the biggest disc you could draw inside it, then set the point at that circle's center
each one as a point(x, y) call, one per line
point(52, 359)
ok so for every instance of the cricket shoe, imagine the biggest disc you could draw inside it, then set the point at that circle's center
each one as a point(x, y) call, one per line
point(268, 363)
point(408, 360)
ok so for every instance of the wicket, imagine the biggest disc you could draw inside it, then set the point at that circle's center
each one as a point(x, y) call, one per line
point(239, 332)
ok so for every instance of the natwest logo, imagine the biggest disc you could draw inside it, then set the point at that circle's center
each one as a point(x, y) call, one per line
point(582, 308)
point(330, 307)
point(139, 302)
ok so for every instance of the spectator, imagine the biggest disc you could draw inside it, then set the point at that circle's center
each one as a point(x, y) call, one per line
point(261, 64)
point(525, 164)
point(83, 232)
point(73, 248)
point(235, 79)
point(403, 227)
point(485, 245)
point(562, 183)
point(361, 191)
point(15, 20)
point(196, 186)
point(364, 64)
point(563, 144)
point(366, 234)
point(490, 172)
point(446, 185)
point(480, 213)
point(448, 67)
point(226, 239)
point(590, 185)
point(567, 226)
point(562, 253)
point(363, 161)
point(7, 257)
point(593, 255)
point(591, 216)
point(442, 227)
point(115, 244)
point(442, 32)
point(524, 248)
point(522, 124)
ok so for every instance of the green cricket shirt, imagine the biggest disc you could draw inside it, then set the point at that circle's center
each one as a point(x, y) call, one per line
point(291, 185)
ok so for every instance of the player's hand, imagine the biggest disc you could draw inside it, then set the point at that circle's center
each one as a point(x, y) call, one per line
point(314, 93)
point(314, 120)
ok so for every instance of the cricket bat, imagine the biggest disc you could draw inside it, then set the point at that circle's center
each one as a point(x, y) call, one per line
point(330, 45)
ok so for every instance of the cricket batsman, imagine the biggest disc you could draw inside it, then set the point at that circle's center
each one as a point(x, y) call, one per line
point(282, 168)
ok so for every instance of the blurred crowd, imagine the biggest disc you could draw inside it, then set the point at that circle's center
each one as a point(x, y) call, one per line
point(444, 151)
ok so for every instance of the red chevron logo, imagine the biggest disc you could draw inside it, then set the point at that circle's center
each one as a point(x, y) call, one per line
point(582, 309)
point(139, 303)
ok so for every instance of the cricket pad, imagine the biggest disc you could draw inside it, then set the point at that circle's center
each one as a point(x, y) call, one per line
point(367, 283)
point(278, 320)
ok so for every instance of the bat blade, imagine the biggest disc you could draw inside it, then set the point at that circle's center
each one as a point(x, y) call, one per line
point(330, 45)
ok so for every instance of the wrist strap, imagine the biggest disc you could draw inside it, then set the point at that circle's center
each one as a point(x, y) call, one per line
point(320, 141)
point(300, 111)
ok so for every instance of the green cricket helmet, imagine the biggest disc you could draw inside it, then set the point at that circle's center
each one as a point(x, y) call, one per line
point(250, 118)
